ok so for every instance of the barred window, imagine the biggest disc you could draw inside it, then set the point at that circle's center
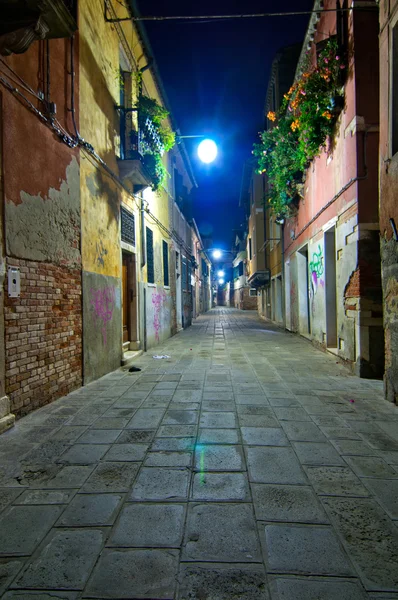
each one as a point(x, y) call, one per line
point(127, 226)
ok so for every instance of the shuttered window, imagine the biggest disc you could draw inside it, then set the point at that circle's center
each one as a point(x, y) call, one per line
point(149, 256)
point(165, 263)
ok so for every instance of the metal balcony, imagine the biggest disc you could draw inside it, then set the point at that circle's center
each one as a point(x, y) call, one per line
point(134, 145)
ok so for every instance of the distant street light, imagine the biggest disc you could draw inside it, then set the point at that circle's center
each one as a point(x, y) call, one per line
point(221, 281)
point(217, 254)
point(220, 273)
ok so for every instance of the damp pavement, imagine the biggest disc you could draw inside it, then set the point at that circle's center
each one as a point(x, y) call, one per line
point(248, 466)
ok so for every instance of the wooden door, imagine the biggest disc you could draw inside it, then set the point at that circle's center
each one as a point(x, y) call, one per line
point(125, 298)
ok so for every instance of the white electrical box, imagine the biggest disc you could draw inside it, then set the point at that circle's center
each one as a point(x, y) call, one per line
point(14, 282)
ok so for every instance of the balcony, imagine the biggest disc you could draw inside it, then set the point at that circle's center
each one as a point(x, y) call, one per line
point(140, 150)
point(24, 22)
point(260, 278)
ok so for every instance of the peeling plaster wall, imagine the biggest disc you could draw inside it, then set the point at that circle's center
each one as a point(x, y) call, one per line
point(47, 227)
point(159, 307)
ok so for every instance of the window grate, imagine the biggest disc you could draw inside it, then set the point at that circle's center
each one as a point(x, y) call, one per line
point(127, 226)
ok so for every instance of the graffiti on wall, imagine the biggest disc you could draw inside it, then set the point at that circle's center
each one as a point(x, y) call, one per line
point(158, 301)
point(103, 302)
point(100, 253)
point(316, 268)
point(316, 271)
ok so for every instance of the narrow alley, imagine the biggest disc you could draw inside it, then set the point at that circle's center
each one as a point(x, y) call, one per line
point(245, 465)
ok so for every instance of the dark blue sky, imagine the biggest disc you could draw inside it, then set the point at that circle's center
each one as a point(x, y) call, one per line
point(215, 75)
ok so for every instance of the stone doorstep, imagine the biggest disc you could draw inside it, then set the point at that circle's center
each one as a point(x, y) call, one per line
point(7, 422)
point(130, 356)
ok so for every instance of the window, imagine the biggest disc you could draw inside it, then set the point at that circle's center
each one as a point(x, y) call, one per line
point(240, 269)
point(236, 272)
point(394, 85)
point(250, 249)
point(252, 292)
point(165, 263)
point(149, 256)
point(127, 226)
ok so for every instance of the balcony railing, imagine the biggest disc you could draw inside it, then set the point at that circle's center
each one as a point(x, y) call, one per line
point(135, 144)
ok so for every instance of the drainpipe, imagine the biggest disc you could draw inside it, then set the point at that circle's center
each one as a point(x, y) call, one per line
point(143, 263)
point(283, 275)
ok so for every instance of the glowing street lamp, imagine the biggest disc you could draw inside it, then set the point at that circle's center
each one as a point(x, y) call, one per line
point(207, 151)
point(221, 273)
point(221, 281)
point(217, 254)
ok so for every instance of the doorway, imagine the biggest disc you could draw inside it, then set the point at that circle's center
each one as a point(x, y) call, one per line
point(303, 289)
point(129, 303)
point(330, 288)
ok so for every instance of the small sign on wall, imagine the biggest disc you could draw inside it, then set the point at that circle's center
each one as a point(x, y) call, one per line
point(14, 282)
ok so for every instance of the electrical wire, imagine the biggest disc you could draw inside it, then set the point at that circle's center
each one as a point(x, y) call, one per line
point(245, 16)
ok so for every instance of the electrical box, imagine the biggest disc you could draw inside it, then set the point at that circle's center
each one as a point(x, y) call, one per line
point(14, 282)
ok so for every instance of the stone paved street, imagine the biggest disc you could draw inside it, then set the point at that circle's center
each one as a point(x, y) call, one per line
point(248, 466)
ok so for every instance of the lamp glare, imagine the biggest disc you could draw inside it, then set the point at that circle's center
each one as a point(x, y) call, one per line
point(220, 273)
point(207, 151)
point(217, 254)
point(221, 281)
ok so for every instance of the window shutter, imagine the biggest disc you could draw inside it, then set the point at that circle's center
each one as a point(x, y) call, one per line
point(149, 256)
point(165, 263)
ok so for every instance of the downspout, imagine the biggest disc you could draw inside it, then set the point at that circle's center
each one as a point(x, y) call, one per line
point(143, 263)
point(283, 275)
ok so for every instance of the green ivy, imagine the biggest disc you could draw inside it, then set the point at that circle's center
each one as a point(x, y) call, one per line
point(303, 124)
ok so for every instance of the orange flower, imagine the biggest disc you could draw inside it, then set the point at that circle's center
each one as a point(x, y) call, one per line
point(327, 115)
point(295, 125)
point(271, 116)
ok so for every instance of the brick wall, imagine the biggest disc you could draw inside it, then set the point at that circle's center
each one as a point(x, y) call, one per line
point(43, 335)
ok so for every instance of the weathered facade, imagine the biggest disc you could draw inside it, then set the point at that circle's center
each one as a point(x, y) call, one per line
point(40, 187)
point(95, 265)
point(388, 177)
point(202, 274)
point(331, 246)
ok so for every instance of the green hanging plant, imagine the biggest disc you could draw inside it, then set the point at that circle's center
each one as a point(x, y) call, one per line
point(302, 126)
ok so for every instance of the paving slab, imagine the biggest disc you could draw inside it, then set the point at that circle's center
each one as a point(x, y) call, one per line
point(161, 483)
point(219, 458)
point(45, 497)
point(335, 481)
point(370, 538)
point(165, 531)
point(220, 486)
point(317, 453)
point(135, 436)
point(274, 465)
point(134, 574)
point(168, 459)
point(304, 549)
point(84, 454)
point(221, 532)
point(293, 588)
point(23, 527)
point(264, 436)
point(90, 510)
point(146, 418)
point(218, 436)
point(224, 582)
point(369, 466)
point(112, 477)
point(301, 431)
point(287, 503)
point(126, 452)
point(9, 568)
point(64, 562)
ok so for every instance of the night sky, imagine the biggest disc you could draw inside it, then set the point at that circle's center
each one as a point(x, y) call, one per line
point(215, 75)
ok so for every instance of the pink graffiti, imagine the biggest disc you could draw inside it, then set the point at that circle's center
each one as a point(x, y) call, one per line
point(158, 300)
point(103, 302)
